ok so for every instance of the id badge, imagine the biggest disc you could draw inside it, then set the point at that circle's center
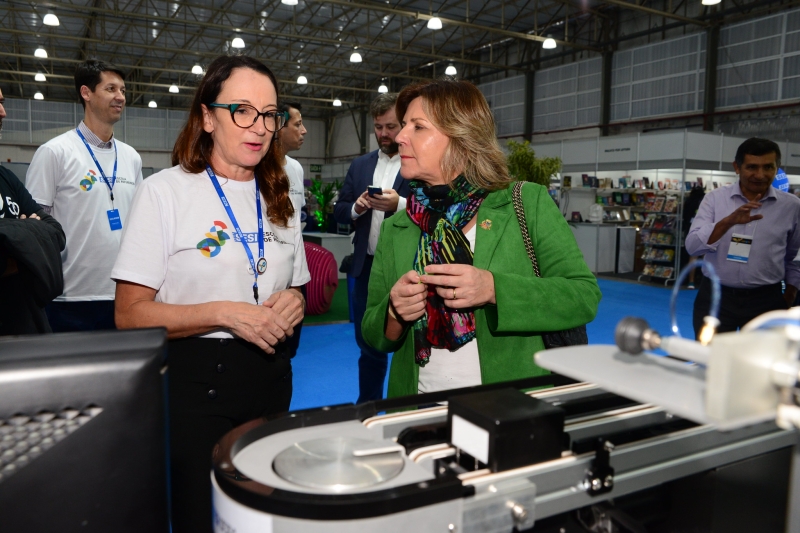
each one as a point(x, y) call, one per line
point(739, 250)
point(113, 219)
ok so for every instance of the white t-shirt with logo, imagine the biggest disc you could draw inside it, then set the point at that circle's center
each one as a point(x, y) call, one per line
point(63, 175)
point(180, 242)
point(294, 170)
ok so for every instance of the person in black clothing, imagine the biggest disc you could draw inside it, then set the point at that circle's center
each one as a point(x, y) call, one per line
point(30, 257)
point(690, 208)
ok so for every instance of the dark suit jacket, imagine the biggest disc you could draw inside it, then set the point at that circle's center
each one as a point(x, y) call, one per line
point(359, 177)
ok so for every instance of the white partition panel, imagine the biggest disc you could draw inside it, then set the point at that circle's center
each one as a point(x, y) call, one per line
point(567, 96)
point(506, 98)
point(759, 61)
point(658, 79)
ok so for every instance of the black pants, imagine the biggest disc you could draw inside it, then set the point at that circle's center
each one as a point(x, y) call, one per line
point(215, 385)
point(371, 363)
point(89, 315)
point(737, 306)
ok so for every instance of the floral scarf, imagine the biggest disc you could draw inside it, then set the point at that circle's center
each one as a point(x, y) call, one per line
point(441, 212)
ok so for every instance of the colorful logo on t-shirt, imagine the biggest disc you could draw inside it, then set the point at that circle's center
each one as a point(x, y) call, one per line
point(88, 180)
point(215, 239)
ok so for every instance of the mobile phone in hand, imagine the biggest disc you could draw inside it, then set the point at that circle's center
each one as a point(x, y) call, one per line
point(374, 191)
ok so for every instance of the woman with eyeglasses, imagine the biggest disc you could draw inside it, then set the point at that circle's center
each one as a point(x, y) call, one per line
point(213, 252)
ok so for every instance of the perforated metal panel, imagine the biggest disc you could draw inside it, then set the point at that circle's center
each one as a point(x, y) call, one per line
point(759, 61)
point(567, 96)
point(506, 98)
point(658, 79)
point(50, 119)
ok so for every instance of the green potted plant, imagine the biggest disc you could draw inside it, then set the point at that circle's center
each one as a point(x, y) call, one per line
point(523, 165)
point(323, 193)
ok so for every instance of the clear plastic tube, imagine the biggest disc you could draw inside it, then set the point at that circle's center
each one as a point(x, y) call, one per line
point(715, 293)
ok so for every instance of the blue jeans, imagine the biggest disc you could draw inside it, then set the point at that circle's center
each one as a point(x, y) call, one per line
point(372, 363)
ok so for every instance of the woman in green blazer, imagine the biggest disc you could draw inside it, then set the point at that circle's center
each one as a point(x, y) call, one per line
point(452, 290)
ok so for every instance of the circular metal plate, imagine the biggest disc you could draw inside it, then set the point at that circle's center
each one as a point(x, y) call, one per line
point(329, 464)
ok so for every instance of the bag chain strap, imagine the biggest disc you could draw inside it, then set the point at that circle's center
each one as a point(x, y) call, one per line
point(519, 209)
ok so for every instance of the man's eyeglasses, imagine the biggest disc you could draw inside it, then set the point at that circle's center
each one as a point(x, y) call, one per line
point(245, 116)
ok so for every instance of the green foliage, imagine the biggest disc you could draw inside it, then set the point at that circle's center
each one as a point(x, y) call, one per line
point(523, 165)
point(323, 193)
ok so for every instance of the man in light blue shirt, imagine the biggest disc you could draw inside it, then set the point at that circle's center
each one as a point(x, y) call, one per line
point(750, 233)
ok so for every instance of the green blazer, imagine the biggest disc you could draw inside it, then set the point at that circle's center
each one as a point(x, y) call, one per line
point(508, 333)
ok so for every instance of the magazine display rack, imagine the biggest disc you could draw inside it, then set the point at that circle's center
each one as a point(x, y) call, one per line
point(661, 235)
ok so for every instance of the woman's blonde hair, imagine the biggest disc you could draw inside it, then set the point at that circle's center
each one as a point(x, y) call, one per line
point(460, 111)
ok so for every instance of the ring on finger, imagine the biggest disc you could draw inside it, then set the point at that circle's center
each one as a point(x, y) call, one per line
point(454, 293)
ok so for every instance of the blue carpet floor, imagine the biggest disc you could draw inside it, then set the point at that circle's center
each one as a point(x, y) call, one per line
point(326, 365)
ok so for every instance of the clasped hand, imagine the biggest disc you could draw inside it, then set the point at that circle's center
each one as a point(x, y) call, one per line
point(271, 322)
point(461, 286)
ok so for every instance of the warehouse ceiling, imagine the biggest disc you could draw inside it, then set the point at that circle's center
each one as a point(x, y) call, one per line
point(157, 43)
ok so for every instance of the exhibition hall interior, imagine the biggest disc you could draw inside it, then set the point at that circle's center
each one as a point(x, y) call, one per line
point(473, 266)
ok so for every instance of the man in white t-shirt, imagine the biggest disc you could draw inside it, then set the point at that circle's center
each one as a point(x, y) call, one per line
point(381, 169)
point(291, 137)
point(86, 179)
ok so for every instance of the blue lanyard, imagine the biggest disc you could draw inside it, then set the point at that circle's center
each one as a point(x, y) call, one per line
point(111, 183)
point(262, 263)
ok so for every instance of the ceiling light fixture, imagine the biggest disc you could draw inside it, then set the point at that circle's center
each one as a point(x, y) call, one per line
point(355, 57)
point(197, 69)
point(450, 70)
point(40, 77)
point(383, 88)
point(237, 42)
point(152, 104)
point(302, 80)
point(435, 23)
point(51, 20)
point(289, 2)
point(38, 96)
point(40, 52)
point(337, 103)
point(711, 2)
point(173, 88)
point(549, 44)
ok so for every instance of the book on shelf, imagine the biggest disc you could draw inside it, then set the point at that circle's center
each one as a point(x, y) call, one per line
point(649, 203)
point(658, 204)
point(671, 204)
point(666, 272)
point(646, 182)
point(675, 184)
point(648, 222)
point(649, 270)
point(626, 198)
point(623, 183)
point(661, 185)
point(668, 254)
point(618, 198)
point(567, 182)
point(658, 223)
point(586, 180)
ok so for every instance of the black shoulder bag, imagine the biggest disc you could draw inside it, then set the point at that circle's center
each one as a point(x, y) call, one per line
point(552, 339)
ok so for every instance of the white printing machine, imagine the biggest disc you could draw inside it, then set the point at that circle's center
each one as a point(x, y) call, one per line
point(618, 441)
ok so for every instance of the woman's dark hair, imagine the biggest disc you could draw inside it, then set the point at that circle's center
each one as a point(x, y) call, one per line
point(195, 145)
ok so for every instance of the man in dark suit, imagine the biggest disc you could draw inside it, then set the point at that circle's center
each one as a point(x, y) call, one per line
point(381, 169)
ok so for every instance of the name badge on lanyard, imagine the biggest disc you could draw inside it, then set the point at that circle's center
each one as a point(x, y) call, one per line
point(256, 267)
point(739, 250)
point(114, 219)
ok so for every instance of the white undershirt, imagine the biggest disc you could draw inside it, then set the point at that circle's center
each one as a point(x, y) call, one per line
point(452, 370)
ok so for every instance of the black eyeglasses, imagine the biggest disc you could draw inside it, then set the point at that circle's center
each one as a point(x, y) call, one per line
point(245, 115)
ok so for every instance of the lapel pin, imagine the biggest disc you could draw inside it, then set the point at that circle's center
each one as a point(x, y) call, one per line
point(486, 224)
